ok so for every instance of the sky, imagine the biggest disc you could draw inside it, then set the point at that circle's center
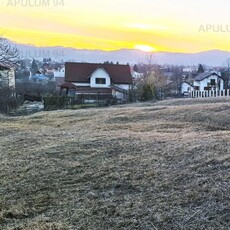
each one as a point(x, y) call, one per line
point(187, 26)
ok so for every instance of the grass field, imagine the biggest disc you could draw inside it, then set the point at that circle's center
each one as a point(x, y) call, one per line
point(160, 166)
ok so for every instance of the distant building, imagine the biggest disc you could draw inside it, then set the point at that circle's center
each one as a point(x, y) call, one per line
point(38, 76)
point(207, 81)
point(7, 75)
point(189, 69)
point(59, 76)
point(60, 72)
point(136, 75)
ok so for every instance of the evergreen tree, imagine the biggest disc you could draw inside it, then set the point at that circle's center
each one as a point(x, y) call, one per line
point(34, 67)
point(135, 68)
point(200, 68)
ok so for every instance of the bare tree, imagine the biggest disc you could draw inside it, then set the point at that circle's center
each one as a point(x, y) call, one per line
point(153, 82)
point(177, 77)
point(226, 73)
point(8, 53)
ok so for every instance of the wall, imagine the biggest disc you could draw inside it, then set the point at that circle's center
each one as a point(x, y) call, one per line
point(8, 78)
point(123, 86)
point(100, 73)
point(205, 82)
point(81, 84)
point(185, 86)
point(119, 95)
point(59, 73)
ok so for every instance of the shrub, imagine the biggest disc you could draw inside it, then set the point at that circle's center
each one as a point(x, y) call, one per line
point(56, 102)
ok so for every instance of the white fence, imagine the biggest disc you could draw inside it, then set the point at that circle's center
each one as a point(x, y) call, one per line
point(210, 93)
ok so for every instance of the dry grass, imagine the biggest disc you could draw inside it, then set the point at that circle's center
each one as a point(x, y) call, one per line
point(144, 166)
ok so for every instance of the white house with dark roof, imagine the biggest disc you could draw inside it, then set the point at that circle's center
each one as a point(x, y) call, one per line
point(205, 85)
point(96, 78)
point(208, 81)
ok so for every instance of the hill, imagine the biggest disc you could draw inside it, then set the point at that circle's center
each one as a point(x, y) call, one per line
point(124, 56)
point(155, 166)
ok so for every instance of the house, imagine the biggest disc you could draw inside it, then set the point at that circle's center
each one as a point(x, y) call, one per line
point(204, 84)
point(189, 69)
point(59, 72)
point(186, 88)
point(59, 76)
point(104, 79)
point(136, 75)
point(38, 76)
point(208, 81)
point(7, 75)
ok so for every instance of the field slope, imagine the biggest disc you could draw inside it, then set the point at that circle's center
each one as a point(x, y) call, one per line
point(158, 166)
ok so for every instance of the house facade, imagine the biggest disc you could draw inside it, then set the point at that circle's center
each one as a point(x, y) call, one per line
point(7, 75)
point(186, 88)
point(103, 79)
point(204, 82)
point(208, 81)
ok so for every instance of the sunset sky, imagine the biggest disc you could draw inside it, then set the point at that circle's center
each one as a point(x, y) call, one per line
point(151, 25)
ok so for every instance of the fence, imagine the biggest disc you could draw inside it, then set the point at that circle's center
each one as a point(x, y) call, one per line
point(78, 101)
point(210, 93)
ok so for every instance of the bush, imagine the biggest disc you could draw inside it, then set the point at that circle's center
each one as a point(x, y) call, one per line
point(56, 102)
point(146, 93)
point(8, 101)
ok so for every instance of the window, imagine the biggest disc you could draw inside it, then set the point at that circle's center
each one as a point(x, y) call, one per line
point(213, 82)
point(100, 81)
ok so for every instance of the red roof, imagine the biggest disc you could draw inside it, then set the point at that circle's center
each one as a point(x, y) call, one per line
point(81, 72)
point(7, 65)
point(67, 85)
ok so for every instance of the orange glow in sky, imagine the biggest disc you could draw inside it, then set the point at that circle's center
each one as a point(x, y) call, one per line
point(145, 48)
point(147, 25)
